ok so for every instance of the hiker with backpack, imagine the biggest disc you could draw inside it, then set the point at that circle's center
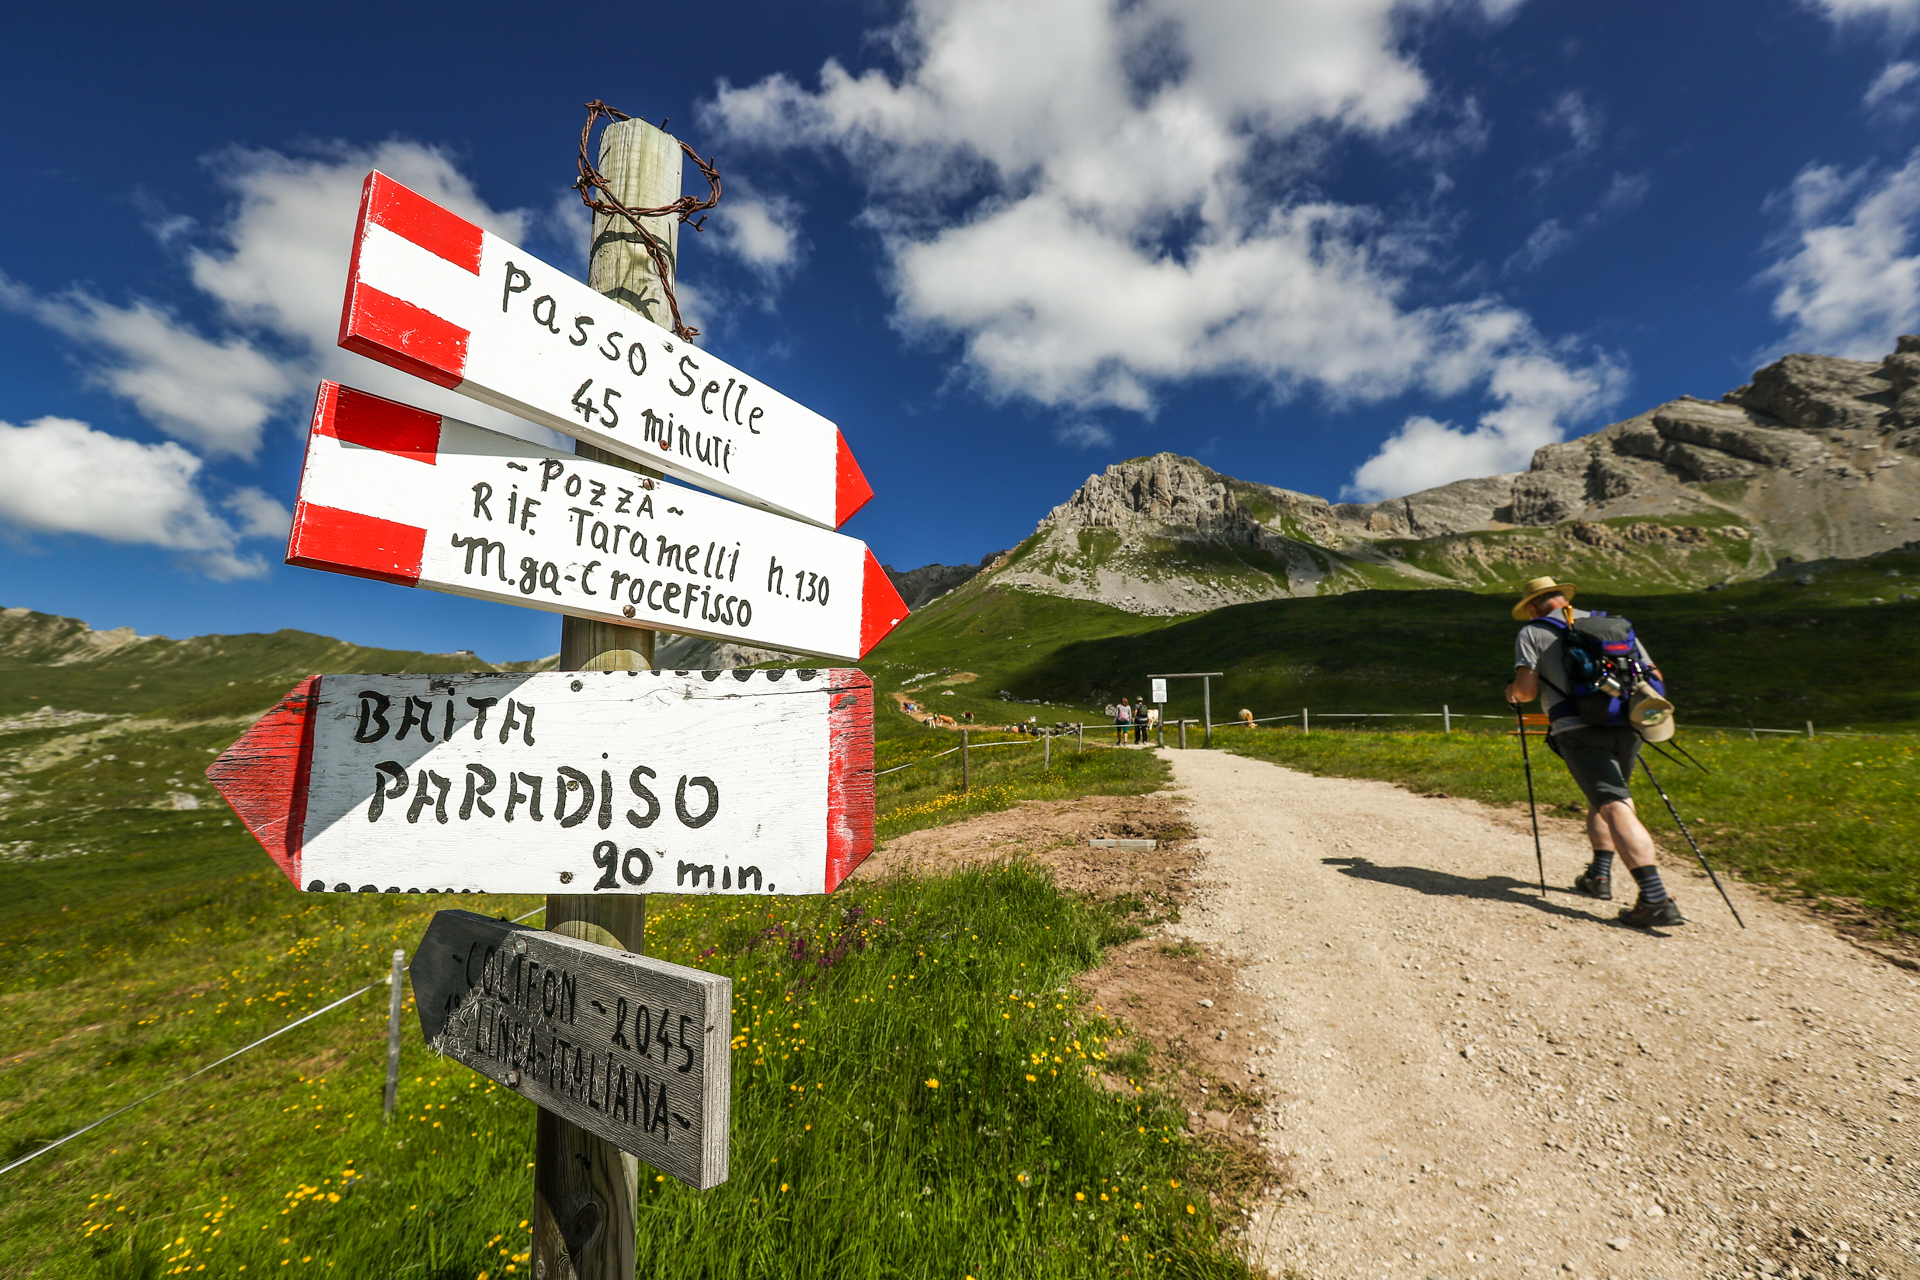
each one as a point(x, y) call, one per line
point(1592, 674)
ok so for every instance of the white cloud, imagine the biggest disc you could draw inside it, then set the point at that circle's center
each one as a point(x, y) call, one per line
point(261, 515)
point(1887, 96)
point(762, 232)
point(62, 476)
point(1553, 236)
point(216, 396)
point(1847, 273)
point(1899, 12)
point(279, 262)
point(1069, 188)
point(1549, 238)
point(274, 270)
point(1536, 394)
point(1083, 433)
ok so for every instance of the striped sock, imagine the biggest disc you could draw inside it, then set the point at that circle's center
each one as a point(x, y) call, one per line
point(1602, 864)
point(1651, 890)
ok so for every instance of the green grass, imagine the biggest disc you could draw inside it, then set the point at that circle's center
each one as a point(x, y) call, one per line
point(929, 792)
point(912, 1097)
point(141, 941)
point(1771, 652)
point(1828, 820)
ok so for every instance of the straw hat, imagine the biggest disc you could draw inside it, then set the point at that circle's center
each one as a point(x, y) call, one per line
point(1523, 611)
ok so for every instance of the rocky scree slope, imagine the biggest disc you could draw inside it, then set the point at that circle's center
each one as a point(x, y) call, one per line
point(1813, 459)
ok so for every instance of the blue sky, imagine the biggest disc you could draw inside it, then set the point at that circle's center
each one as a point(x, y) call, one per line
point(1350, 247)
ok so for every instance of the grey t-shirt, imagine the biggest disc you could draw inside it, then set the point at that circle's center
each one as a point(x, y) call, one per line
point(1541, 649)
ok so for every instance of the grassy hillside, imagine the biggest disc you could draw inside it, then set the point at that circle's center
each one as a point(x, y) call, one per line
point(1771, 652)
point(52, 661)
point(916, 1092)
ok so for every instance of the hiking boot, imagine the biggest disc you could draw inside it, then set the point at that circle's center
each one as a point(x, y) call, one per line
point(1648, 915)
point(1593, 886)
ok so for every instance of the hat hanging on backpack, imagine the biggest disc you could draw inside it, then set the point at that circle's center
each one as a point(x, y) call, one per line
point(1650, 713)
point(1523, 611)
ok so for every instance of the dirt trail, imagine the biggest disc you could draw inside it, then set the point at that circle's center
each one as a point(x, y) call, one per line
point(1470, 1081)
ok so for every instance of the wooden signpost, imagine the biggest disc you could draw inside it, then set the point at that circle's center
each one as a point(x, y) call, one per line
point(597, 785)
point(632, 1049)
point(432, 294)
point(605, 782)
point(402, 495)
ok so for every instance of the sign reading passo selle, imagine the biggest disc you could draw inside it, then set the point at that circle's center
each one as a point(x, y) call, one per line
point(402, 495)
point(634, 1049)
point(748, 782)
point(432, 294)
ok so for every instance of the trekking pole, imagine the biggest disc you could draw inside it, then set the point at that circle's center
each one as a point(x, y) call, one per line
point(1674, 758)
point(1696, 848)
point(1539, 859)
point(1689, 755)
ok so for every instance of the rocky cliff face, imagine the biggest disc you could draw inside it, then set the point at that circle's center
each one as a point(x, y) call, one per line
point(931, 581)
point(1813, 459)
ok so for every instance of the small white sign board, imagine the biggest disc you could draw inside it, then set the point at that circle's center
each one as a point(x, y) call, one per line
point(434, 295)
point(402, 495)
point(1159, 690)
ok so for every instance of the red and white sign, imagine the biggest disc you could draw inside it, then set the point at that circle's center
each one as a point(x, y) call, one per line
point(745, 782)
point(402, 495)
point(432, 294)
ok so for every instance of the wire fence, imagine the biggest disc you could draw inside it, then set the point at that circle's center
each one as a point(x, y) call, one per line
point(245, 1048)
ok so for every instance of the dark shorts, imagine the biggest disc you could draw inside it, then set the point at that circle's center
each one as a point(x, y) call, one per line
point(1600, 758)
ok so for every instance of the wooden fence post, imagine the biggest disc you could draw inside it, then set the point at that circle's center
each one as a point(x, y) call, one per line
point(1303, 722)
point(1046, 753)
point(1183, 733)
point(585, 1189)
point(394, 1000)
point(966, 767)
point(1446, 718)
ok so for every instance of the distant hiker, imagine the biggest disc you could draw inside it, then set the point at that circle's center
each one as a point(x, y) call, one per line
point(1587, 728)
point(1122, 718)
point(1140, 721)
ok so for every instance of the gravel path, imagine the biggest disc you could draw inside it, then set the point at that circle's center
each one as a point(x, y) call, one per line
point(1469, 1081)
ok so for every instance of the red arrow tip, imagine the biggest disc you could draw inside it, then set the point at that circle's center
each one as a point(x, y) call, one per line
point(881, 608)
point(850, 488)
point(264, 776)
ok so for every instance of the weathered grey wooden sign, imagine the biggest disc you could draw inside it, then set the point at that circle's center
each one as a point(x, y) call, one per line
point(633, 1049)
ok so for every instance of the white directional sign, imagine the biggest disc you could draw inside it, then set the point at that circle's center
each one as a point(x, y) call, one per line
point(398, 494)
point(745, 782)
point(433, 294)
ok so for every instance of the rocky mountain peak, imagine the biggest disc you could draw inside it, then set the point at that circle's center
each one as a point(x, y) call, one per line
point(1812, 459)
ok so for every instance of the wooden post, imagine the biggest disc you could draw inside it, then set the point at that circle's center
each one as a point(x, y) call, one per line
point(585, 1189)
point(1183, 733)
point(1080, 734)
point(394, 1001)
point(966, 774)
point(1446, 718)
point(1206, 708)
point(1303, 722)
point(1046, 752)
point(1809, 728)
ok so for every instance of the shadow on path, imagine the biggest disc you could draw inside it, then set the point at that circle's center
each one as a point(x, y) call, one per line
point(1436, 884)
